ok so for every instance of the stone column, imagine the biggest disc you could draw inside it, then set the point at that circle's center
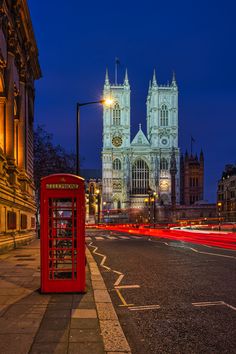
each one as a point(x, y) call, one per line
point(22, 128)
point(10, 110)
point(2, 123)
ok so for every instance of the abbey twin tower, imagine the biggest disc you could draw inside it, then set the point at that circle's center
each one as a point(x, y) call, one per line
point(132, 170)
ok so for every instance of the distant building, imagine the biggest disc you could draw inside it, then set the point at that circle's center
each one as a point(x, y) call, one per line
point(93, 190)
point(132, 169)
point(191, 178)
point(19, 67)
point(226, 193)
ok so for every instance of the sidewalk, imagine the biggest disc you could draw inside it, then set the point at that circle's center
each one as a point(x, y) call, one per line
point(31, 322)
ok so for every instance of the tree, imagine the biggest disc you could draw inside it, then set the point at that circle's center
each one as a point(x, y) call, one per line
point(49, 159)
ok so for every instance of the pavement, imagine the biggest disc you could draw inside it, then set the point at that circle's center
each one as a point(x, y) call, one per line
point(31, 322)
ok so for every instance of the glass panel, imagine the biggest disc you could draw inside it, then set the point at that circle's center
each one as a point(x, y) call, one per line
point(62, 225)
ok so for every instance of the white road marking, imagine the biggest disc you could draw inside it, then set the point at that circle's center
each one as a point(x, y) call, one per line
point(212, 254)
point(103, 258)
point(112, 238)
point(117, 287)
point(99, 238)
point(144, 308)
point(117, 282)
point(88, 238)
point(213, 303)
point(124, 238)
point(127, 286)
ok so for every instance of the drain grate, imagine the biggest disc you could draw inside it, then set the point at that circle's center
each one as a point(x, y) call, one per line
point(28, 259)
point(23, 255)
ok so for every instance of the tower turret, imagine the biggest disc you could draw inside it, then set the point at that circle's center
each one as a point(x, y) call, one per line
point(107, 82)
point(126, 80)
point(154, 79)
point(173, 83)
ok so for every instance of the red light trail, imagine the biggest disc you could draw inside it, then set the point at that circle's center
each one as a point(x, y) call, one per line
point(225, 240)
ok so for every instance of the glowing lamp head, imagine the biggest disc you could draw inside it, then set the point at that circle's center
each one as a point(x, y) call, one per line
point(108, 101)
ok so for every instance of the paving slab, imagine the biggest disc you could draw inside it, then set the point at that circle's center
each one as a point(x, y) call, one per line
point(49, 348)
point(54, 336)
point(15, 343)
point(86, 348)
point(101, 296)
point(83, 313)
point(85, 335)
point(84, 323)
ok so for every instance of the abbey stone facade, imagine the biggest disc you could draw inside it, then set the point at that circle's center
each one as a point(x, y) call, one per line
point(132, 170)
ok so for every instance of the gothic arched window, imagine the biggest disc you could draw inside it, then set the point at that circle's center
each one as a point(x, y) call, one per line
point(116, 114)
point(164, 164)
point(116, 165)
point(140, 177)
point(164, 115)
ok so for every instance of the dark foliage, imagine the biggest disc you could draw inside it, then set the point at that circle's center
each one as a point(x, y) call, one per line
point(49, 159)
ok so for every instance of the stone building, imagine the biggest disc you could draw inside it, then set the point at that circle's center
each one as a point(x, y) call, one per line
point(93, 193)
point(19, 67)
point(226, 194)
point(132, 169)
point(191, 178)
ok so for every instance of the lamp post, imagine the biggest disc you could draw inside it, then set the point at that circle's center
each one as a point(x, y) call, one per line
point(104, 206)
point(154, 208)
point(108, 102)
point(98, 203)
point(219, 204)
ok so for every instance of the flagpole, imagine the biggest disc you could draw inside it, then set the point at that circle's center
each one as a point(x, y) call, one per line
point(117, 62)
point(116, 71)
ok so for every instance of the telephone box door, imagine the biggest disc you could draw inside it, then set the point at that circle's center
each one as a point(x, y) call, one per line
point(62, 234)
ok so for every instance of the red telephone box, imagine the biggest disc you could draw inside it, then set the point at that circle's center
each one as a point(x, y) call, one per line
point(62, 233)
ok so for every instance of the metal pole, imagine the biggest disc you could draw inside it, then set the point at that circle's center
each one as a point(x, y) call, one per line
point(154, 211)
point(149, 208)
point(77, 138)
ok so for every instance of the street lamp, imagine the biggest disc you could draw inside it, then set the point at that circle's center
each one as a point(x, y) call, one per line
point(98, 203)
point(108, 102)
point(154, 207)
point(219, 204)
point(104, 210)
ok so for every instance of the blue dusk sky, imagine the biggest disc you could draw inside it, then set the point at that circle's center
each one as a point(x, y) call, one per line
point(196, 39)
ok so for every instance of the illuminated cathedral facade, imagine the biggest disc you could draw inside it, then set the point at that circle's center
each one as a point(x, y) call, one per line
point(134, 169)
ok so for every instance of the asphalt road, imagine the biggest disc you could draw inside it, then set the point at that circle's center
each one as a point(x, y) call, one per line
point(170, 296)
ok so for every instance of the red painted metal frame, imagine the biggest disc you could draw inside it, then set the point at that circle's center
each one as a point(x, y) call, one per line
point(51, 191)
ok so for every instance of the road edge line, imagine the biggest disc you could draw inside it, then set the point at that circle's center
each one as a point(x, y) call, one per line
point(108, 321)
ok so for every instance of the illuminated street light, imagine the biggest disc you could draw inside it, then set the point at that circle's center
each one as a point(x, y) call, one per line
point(97, 192)
point(219, 204)
point(106, 101)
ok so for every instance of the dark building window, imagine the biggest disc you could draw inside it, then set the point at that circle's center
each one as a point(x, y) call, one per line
point(140, 177)
point(116, 164)
point(116, 114)
point(164, 116)
point(164, 164)
point(32, 222)
point(23, 221)
point(11, 220)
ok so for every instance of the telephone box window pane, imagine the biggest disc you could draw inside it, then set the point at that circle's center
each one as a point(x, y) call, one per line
point(62, 234)
point(60, 275)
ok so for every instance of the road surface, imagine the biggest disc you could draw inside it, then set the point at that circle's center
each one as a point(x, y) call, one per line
point(170, 296)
